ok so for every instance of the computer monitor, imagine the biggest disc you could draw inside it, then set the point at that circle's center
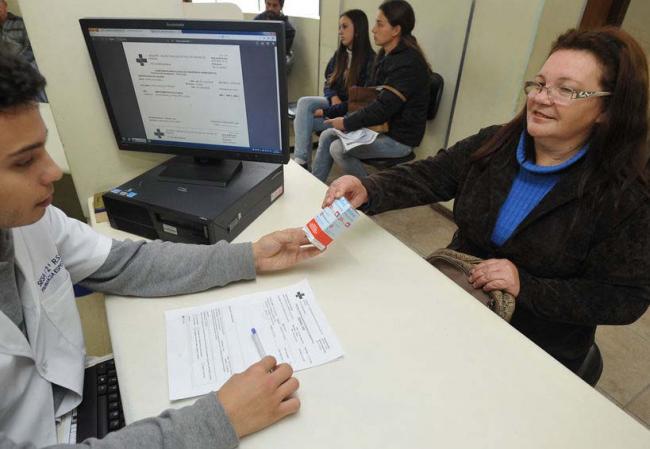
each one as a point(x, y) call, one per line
point(212, 90)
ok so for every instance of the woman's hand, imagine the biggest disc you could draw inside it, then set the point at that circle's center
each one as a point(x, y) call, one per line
point(336, 123)
point(335, 100)
point(349, 187)
point(496, 274)
point(318, 113)
point(282, 249)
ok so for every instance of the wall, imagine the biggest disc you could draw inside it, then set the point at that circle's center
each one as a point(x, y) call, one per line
point(636, 22)
point(508, 43)
point(95, 162)
point(303, 79)
point(500, 44)
point(440, 29)
point(329, 41)
point(14, 7)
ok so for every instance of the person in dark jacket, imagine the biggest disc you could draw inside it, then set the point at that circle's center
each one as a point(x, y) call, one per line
point(557, 201)
point(273, 11)
point(400, 64)
point(349, 66)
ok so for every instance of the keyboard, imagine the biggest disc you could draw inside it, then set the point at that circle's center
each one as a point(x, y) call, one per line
point(100, 411)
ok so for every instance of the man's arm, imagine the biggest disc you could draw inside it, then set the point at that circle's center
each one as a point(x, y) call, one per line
point(204, 424)
point(248, 402)
point(163, 268)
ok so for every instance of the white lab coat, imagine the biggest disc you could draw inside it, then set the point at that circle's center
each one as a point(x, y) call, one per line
point(51, 255)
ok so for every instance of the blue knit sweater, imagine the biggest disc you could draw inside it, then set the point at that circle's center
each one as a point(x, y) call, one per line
point(530, 186)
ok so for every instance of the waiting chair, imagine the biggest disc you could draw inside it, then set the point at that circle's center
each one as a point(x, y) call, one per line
point(290, 58)
point(437, 85)
point(592, 367)
point(292, 107)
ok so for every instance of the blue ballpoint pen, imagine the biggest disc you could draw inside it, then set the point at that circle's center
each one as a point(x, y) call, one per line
point(258, 343)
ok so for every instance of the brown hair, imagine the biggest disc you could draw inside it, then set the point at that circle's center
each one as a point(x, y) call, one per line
point(20, 82)
point(361, 51)
point(618, 151)
point(400, 12)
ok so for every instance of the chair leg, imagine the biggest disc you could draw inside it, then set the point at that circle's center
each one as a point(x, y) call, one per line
point(592, 366)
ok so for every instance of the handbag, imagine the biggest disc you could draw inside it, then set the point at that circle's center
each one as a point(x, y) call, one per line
point(360, 97)
point(456, 266)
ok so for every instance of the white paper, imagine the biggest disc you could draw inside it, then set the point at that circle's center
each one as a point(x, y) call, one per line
point(66, 428)
point(189, 92)
point(208, 344)
point(351, 139)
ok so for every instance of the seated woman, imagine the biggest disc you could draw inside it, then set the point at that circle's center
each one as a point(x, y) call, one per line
point(400, 64)
point(556, 201)
point(349, 66)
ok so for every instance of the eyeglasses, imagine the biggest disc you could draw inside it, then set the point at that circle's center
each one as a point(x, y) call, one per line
point(560, 95)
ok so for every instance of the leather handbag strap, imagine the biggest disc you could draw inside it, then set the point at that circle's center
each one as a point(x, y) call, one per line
point(456, 266)
point(395, 91)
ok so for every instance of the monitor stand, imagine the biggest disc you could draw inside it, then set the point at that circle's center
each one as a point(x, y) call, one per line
point(200, 170)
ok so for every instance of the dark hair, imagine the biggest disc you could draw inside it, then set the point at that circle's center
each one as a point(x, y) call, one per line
point(618, 151)
point(20, 82)
point(400, 12)
point(361, 51)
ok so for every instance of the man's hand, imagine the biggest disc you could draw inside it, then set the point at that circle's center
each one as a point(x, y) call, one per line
point(318, 113)
point(336, 123)
point(496, 274)
point(259, 396)
point(282, 249)
point(335, 100)
point(347, 186)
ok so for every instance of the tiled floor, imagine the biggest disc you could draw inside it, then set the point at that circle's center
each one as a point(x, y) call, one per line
point(625, 349)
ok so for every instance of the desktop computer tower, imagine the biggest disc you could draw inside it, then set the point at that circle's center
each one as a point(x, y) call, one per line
point(193, 213)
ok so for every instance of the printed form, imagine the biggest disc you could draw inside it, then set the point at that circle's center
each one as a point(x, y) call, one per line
point(189, 92)
point(208, 344)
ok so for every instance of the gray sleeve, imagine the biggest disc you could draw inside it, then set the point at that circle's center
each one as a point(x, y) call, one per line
point(202, 425)
point(163, 268)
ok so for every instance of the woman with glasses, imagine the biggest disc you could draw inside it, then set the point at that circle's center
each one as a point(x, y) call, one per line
point(556, 201)
point(350, 66)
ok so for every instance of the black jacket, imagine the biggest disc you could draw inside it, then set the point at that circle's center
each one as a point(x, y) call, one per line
point(339, 88)
point(404, 70)
point(581, 262)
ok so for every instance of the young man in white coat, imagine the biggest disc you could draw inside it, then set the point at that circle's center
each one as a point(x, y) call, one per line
point(43, 253)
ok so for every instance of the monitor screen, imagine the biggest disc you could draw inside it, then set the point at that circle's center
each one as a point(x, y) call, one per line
point(208, 89)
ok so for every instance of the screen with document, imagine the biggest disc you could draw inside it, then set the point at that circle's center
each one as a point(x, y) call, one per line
point(210, 89)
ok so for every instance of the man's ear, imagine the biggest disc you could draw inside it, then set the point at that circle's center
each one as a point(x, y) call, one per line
point(397, 30)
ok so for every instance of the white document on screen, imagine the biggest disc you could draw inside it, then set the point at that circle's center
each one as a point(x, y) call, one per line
point(209, 343)
point(189, 93)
